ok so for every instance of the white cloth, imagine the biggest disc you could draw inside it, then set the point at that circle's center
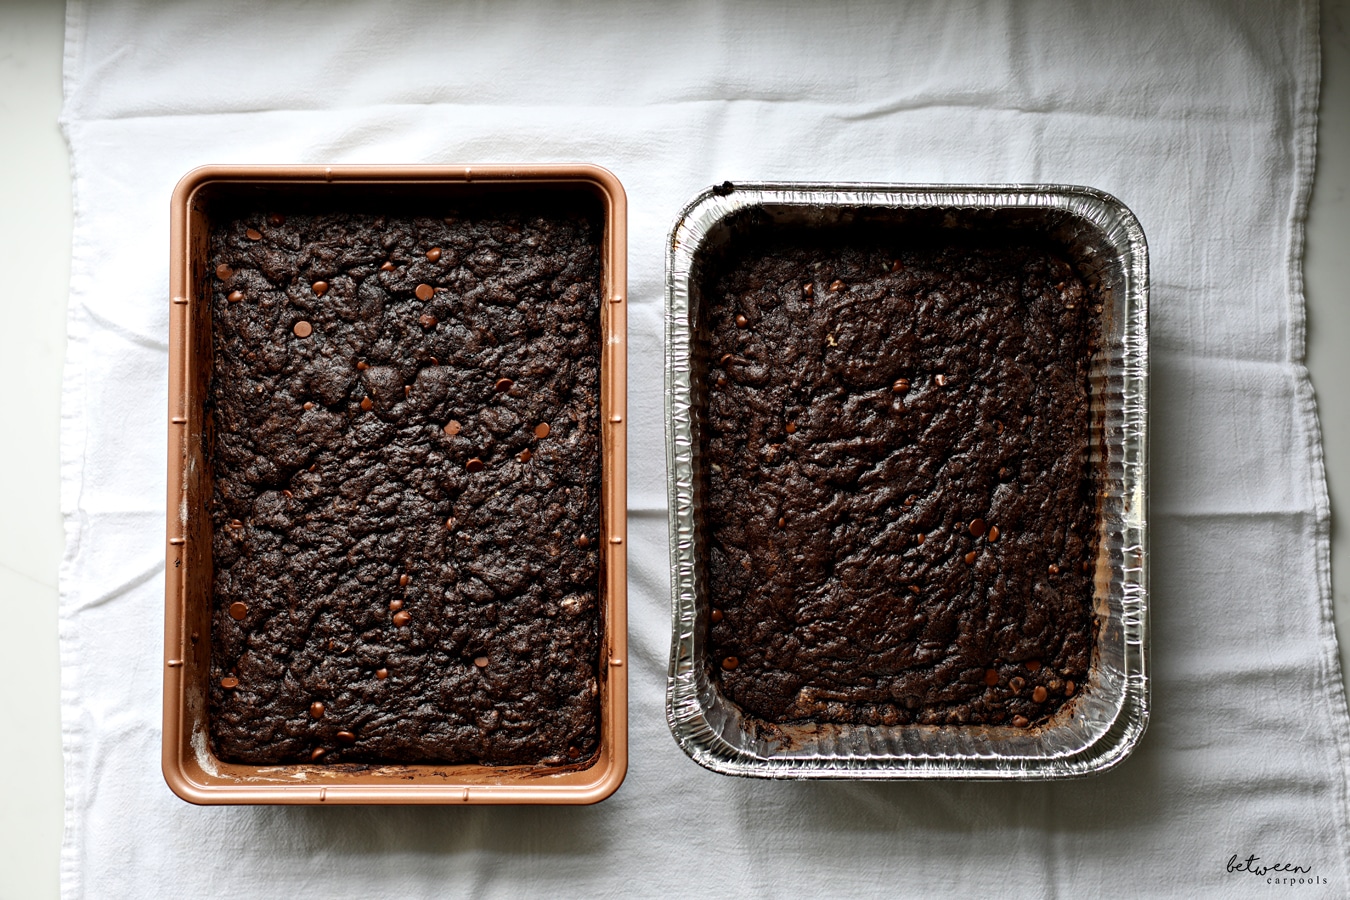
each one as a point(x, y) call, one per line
point(1200, 116)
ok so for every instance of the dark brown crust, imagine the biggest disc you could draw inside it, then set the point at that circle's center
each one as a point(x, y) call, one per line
point(332, 522)
point(840, 614)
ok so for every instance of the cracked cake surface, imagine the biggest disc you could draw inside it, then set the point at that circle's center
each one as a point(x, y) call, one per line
point(900, 507)
point(404, 441)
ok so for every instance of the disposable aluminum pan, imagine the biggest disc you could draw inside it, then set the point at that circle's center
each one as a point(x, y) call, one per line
point(190, 767)
point(1103, 722)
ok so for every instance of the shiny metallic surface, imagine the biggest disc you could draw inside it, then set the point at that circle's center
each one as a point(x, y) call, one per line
point(1105, 721)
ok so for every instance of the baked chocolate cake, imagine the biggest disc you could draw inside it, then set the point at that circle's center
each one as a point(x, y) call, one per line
point(404, 440)
point(900, 508)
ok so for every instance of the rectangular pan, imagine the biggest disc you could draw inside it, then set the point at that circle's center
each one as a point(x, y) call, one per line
point(189, 766)
point(1104, 721)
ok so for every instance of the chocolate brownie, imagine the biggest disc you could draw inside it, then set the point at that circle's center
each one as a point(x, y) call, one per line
point(404, 440)
point(900, 507)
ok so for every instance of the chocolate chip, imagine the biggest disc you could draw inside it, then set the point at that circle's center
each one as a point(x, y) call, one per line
point(1068, 688)
point(836, 285)
point(424, 292)
point(542, 430)
point(308, 405)
point(395, 605)
point(1016, 683)
point(1086, 566)
point(407, 390)
point(403, 580)
point(914, 589)
point(426, 320)
point(901, 386)
point(382, 674)
point(480, 661)
point(345, 737)
point(253, 234)
point(1033, 665)
point(1039, 694)
point(782, 521)
point(993, 533)
point(503, 385)
point(229, 682)
point(452, 428)
point(303, 329)
point(970, 558)
point(921, 539)
point(235, 296)
point(573, 753)
point(1052, 569)
point(367, 404)
point(317, 754)
point(224, 272)
point(790, 428)
point(897, 266)
point(402, 617)
point(1020, 722)
point(991, 677)
point(434, 254)
point(320, 288)
point(909, 501)
point(362, 365)
point(238, 611)
point(525, 455)
point(276, 219)
point(977, 527)
point(716, 616)
point(387, 267)
point(730, 663)
point(721, 380)
point(475, 465)
point(583, 542)
point(940, 380)
point(316, 709)
point(998, 427)
point(742, 321)
point(808, 289)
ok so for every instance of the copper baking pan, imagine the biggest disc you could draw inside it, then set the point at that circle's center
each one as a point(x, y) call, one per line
point(1103, 240)
point(190, 768)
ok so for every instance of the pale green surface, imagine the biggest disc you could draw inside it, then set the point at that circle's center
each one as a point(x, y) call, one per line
point(1326, 273)
point(35, 223)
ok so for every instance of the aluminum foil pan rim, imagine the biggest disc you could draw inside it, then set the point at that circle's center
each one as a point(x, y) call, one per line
point(701, 723)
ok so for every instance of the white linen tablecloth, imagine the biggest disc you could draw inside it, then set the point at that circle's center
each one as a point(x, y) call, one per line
point(1199, 116)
